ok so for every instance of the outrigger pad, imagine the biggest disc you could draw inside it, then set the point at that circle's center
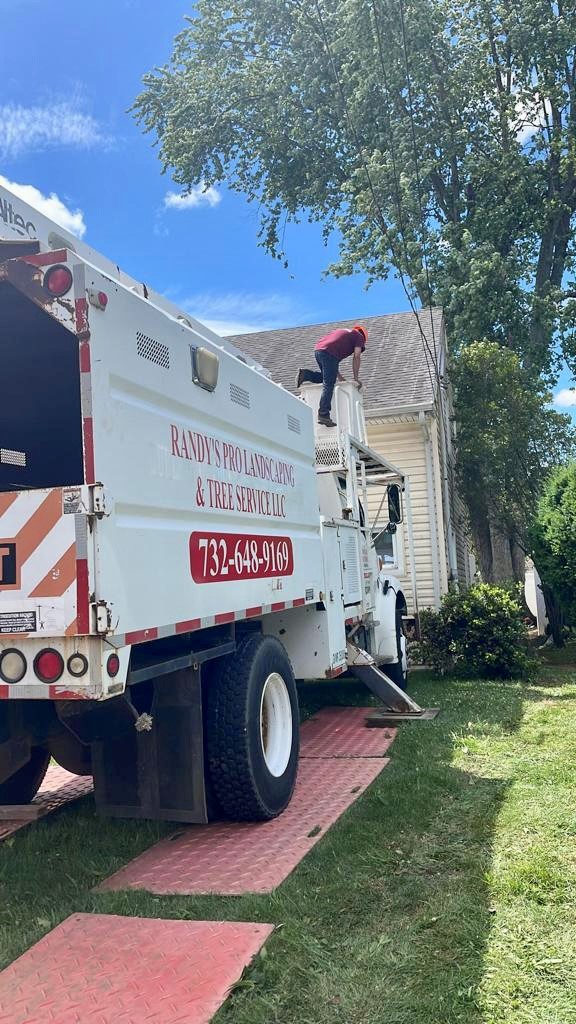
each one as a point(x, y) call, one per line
point(105, 968)
point(384, 719)
point(58, 788)
point(232, 858)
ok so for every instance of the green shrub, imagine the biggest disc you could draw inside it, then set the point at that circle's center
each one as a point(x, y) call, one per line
point(433, 647)
point(553, 537)
point(479, 632)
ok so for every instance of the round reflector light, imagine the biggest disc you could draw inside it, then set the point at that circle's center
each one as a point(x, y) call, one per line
point(102, 299)
point(48, 665)
point(58, 280)
point(77, 665)
point(113, 665)
point(12, 666)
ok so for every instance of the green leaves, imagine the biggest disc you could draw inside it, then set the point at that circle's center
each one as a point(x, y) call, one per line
point(445, 152)
point(553, 536)
point(477, 632)
point(454, 145)
point(509, 438)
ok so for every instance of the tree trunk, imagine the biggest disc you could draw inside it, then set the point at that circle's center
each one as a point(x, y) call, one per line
point(502, 568)
point(481, 539)
point(518, 561)
point(500, 559)
point(554, 609)
point(554, 614)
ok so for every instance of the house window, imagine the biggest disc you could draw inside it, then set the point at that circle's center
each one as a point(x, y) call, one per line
point(385, 545)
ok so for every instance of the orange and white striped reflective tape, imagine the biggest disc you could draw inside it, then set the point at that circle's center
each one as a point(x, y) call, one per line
point(40, 567)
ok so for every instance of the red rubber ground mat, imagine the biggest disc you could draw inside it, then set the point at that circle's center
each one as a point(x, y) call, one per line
point(104, 969)
point(232, 859)
point(58, 788)
point(342, 732)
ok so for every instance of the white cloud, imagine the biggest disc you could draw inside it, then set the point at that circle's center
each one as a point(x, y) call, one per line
point(241, 312)
point(51, 206)
point(565, 397)
point(226, 328)
point(198, 195)
point(532, 114)
point(30, 129)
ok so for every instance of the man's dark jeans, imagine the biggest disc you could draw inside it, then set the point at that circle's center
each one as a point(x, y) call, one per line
point(327, 376)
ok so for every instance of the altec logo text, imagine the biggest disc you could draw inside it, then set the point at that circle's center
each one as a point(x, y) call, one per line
point(16, 220)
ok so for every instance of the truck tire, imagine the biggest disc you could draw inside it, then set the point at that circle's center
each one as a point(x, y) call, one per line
point(252, 730)
point(22, 787)
point(398, 672)
point(71, 754)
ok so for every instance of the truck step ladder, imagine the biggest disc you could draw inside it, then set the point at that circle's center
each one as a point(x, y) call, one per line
point(399, 705)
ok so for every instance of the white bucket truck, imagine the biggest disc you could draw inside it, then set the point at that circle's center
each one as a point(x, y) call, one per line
point(176, 545)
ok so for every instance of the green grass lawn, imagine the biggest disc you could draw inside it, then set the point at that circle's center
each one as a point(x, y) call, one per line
point(446, 894)
point(564, 656)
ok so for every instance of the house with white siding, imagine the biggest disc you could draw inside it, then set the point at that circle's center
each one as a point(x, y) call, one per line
point(409, 419)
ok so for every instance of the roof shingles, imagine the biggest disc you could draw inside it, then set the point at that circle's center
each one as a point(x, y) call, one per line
point(397, 367)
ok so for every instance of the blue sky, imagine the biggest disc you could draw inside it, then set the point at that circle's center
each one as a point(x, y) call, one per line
point(70, 72)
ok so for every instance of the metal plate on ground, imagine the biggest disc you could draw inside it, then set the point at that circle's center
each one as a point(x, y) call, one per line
point(232, 859)
point(387, 719)
point(105, 969)
point(59, 788)
point(342, 732)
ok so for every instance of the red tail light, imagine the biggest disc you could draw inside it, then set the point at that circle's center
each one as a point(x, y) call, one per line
point(113, 665)
point(58, 280)
point(98, 299)
point(48, 665)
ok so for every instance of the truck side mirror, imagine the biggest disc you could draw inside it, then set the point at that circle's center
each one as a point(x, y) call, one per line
point(394, 504)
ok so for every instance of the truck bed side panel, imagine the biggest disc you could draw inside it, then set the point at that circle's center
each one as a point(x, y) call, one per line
point(211, 498)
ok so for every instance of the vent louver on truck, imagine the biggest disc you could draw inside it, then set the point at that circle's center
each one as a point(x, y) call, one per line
point(294, 424)
point(240, 396)
point(10, 458)
point(154, 351)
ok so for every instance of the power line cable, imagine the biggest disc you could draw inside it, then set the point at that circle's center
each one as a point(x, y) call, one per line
point(382, 221)
point(423, 226)
point(397, 192)
point(449, 467)
point(377, 206)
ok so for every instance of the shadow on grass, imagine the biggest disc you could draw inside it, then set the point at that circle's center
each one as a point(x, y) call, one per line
point(385, 922)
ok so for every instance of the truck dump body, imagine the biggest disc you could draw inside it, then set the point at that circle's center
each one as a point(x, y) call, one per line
point(206, 515)
point(158, 505)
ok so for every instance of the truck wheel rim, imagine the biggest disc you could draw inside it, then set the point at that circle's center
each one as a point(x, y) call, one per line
point(276, 724)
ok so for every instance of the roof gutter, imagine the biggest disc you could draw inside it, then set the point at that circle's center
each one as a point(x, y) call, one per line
point(383, 412)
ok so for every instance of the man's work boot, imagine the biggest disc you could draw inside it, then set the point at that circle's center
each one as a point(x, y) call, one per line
point(325, 421)
point(299, 377)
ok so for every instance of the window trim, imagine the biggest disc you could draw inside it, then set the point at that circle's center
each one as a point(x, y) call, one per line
point(397, 564)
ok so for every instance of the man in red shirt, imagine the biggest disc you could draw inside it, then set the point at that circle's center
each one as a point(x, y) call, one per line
point(329, 352)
